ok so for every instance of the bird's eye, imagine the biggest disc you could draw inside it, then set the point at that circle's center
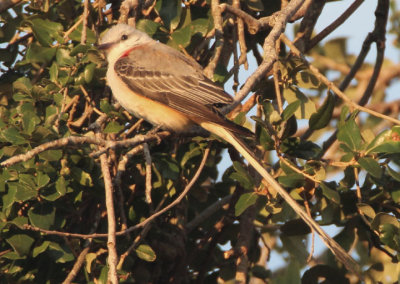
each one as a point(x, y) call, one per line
point(124, 37)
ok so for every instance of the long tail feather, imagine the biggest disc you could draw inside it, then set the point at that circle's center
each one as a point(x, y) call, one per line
point(239, 145)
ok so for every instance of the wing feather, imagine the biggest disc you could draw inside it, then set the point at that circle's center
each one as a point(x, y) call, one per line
point(163, 74)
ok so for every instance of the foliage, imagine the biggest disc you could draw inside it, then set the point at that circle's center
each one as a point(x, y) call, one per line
point(53, 87)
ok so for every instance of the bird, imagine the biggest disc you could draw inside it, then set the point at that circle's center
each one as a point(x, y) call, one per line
point(169, 89)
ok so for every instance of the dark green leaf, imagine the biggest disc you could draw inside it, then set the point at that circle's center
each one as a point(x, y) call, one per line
point(290, 110)
point(371, 166)
point(147, 26)
point(383, 218)
point(113, 127)
point(330, 193)
point(39, 54)
point(146, 253)
point(323, 116)
point(366, 210)
point(12, 135)
point(349, 133)
point(307, 107)
point(64, 59)
point(21, 243)
point(255, 5)
point(81, 176)
point(245, 201)
point(42, 216)
point(40, 249)
point(306, 79)
point(51, 155)
point(170, 12)
point(295, 227)
point(292, 180)
point(181, 38)
point(242, 176)
point(46, 31)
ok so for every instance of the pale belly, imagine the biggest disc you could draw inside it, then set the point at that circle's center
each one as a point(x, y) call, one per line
point(141, 107)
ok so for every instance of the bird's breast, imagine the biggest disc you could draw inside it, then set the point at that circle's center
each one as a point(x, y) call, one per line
point(154, 112)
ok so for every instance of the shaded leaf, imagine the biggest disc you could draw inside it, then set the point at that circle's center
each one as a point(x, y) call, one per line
point(146, 253)
point(323, 116)
point(371, 166)
point(42, 216)
point(21, 243)
point(349, 133)
point(245, 201)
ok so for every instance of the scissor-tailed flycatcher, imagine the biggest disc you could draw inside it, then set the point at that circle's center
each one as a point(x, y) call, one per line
point(158, 83)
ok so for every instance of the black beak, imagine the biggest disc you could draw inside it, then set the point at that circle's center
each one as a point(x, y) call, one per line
point(105, 46)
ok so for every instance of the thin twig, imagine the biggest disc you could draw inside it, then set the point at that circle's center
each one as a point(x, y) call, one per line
point(111, 239)
point(85, 21)
point(147, 158)
point(77, 266)
point(343, 17)
point(278, 23)
point(219, 39)
point(206, 213)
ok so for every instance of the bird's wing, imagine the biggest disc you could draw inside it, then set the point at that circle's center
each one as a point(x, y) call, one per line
point(163, 74)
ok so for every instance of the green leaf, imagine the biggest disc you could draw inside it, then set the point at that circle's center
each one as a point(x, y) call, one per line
point(181, 38)
point(307, 107)
point(23, 191)
point(294, 180)
point(23, 85)
point(245, 201)
point(349, 133)
point(39, 54)
point(394, 174)
point(59, 253)
point(170, 12)
point(255, 5)
point(61, 186)
point(383, 218)
point(77, 34)
point(242, 176)
point(366, 210)
point(12, 135)
point(46, 31)
point(290, 110)
point(64, 59)
point(113, 127)
point(307, 80)
point(330, 193)
point(51, 155)
point(42, 216)
point(42, 179)
point(266, 140)
point(148, 26)
point(371, 166)
point(201, 26)
point(146, 253)
point(323, 116)
point(89, 258)
point(295, 227)
point(40, 249)
point(81, 176)
point(386, 142)
point(89, 72)
point(21, 243)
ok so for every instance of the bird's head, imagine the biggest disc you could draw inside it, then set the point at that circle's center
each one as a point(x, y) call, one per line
point(120, 39)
